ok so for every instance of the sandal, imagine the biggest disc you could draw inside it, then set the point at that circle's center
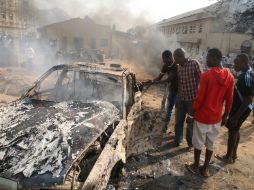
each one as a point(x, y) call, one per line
point(190, 169)
point(224, 159)
point(203, 174)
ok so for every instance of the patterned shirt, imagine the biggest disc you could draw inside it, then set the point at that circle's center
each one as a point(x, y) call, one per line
point(188, 80)
point(245, 86)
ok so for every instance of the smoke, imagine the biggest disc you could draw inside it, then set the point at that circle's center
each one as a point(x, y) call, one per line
point(144, 48)
point(146, 51)
point(107, 12)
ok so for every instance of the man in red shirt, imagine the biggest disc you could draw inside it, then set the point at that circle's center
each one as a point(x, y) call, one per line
point(216, 87)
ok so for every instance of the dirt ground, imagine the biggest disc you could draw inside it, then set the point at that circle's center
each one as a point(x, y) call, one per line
point(161, 166)
point(14, 81)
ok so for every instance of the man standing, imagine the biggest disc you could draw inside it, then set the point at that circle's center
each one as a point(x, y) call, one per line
point(170, 68)
point(29, 53)
point(216, 87)
point(241, 108)
point(188, 78)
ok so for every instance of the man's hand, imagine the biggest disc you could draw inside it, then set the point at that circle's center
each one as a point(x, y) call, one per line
point(233, 122)
point(189, 119)
point(224, 119)
point(148, 82)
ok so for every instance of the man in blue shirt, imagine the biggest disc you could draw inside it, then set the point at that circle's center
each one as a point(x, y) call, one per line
point(241, 108)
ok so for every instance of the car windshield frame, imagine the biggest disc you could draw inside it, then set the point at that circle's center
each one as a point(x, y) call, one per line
point(117, 80)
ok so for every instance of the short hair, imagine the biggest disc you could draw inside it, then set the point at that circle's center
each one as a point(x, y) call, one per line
point(215, 52)
point(243, 57)
point(167, 53)
point(179, 51)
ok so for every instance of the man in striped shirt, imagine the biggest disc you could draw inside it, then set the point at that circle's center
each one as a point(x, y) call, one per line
point(188, 79)
point(241, 108)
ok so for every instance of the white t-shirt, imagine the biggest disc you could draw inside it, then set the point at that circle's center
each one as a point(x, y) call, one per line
point(29, 52)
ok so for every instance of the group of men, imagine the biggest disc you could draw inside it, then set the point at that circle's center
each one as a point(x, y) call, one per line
point(200, 98)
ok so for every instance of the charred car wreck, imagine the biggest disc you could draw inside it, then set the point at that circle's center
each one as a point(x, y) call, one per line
point(67, 131)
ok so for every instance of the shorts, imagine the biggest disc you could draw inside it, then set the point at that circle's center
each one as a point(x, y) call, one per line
point(240, 121)
point(205, 134)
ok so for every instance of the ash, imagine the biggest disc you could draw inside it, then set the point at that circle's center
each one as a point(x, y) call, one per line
point(39, 136)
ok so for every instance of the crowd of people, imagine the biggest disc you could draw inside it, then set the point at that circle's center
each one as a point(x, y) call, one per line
point(205, 101)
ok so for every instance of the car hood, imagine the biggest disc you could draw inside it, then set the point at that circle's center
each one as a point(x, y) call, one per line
point(40, 140)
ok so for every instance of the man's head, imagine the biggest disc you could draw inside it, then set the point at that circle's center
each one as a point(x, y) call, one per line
point(214, 57)
point(167, 57)
point(179, 56)
point(241, 62)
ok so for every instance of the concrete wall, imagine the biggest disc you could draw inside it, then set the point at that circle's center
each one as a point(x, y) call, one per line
point(228, 42)
point(196, 43)
point(193, 41)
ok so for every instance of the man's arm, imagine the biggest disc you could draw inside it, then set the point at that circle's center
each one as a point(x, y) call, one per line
point(228, 102)
point(198, 102)
point(246, 102)
point(246, 93)
point(159, 77)
point(198, 70)
point(201, 93)
point(235, 118)
point(171, 76)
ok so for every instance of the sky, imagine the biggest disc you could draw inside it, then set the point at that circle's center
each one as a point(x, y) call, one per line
point(158, 10)
point(126, 11)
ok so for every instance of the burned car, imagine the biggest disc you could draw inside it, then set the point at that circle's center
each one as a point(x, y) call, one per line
point(59, 134)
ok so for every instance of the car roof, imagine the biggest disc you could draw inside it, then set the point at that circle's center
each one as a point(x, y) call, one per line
point(112, 69)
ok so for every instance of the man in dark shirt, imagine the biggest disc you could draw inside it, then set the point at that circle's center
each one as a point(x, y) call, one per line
point(169, 68)
point(241, 108)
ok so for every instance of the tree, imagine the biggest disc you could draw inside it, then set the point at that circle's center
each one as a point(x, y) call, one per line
point(238, 14)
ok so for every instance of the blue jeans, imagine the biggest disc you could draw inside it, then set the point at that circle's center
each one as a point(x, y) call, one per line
point(183, 107)
point(171, 102)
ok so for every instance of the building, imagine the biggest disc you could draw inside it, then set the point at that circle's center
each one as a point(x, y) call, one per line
point(77, 33)
point(15, 23)
point(15, 17)
point(199, 30)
